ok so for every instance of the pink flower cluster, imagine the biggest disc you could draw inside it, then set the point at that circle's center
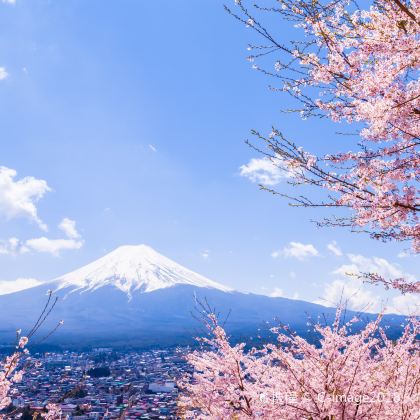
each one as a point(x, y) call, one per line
point(362, 67)
point(9, 375)
point(53, 412)
point(369, 74)
point(348, 376)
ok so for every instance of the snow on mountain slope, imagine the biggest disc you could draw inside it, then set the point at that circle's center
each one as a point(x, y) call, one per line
point(133, 268)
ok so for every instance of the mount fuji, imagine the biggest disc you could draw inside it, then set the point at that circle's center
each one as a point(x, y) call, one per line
point(130, 269)
point(136, 297)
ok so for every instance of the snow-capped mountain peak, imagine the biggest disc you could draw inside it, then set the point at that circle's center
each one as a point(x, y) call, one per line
point(133, 268)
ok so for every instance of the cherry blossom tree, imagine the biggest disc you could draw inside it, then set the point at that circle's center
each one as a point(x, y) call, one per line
point(13, 367)
point(9, 374)
point(361, 67)
point(348, 376)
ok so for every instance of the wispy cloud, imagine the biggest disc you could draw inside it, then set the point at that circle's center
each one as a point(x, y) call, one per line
point(360, 264)
point(68, 226)
point(10, 246)
point(335, 249)
point(3, 73)
point(407, 254)
point(14, 246)
point(405, 304)
point(52, 246)
point(296, 250)
point(353, 292)
point(265, 171)
point(277, 292)
point(205, 254)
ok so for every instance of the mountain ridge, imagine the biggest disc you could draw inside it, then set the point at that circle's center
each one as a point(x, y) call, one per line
point(134, 296)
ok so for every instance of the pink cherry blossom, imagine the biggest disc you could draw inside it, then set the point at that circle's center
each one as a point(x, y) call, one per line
point(53, 412)
point(8, 376)
point(348, 376)
point(360, 67)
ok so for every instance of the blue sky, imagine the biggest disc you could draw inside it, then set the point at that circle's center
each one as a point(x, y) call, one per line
point(134, 114)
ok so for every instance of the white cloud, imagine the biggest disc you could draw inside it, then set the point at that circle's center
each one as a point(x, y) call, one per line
point(3, 73)
point(405, 304)
point(9, 246)
point(352, 294)
point(277, 292)
point(205, 254)
point(152, 148)
point(335, 249)
point(52, 246)
point(7, 287)
point(68, 226)
point(356, 296)
point(18, 197)
point(359, 296)
point(13, 246)
point(296, 250)
point(265, 171)
point(381, 266)
point(9, 1)
point(406, 254)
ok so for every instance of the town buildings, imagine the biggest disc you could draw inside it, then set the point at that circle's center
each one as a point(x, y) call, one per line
point(101, 384)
